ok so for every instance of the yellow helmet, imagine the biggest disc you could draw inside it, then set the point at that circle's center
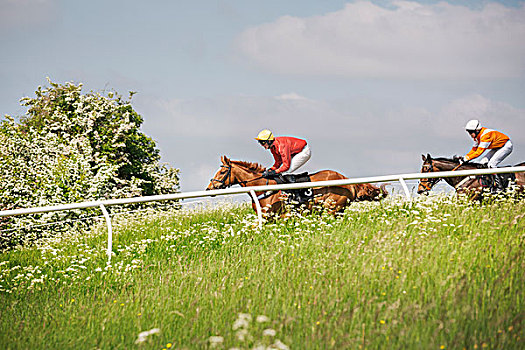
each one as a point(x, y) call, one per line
point(265, 135)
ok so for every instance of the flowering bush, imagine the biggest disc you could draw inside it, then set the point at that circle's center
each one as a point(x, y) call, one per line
point(72, 147)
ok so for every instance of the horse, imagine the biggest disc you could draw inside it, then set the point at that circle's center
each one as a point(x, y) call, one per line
point(472, 186)
point(332, 198)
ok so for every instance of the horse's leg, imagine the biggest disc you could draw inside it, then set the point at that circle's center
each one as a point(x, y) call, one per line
point(334, 199)
point(331, 203)
point(271, 206)
point(520, 180)
point(517, 186)
point(472, 193)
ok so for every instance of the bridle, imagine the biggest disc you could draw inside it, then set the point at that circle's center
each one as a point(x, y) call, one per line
point(228, 178)
point(429, 183)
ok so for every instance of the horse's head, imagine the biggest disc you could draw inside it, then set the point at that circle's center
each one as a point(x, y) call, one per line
point(236, 172)
point(369, 192)
point(425, 185)
point(223, 178)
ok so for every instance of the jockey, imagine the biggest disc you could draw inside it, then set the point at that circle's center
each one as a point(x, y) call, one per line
point(289, 153)
point(498, 144)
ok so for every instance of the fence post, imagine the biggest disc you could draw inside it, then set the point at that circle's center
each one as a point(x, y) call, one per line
point(405, 188)
point(110, 232)
point(257, 207)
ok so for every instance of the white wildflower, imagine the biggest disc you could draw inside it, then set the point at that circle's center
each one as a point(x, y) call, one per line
point(269, 332)
point(215, 340)
point(279, 345)
point(242, 334)
point(144, 335)
point(262, 319)
point(242, 321)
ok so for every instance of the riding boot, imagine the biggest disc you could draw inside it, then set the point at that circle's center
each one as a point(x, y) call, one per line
point(301, 198)
point(498, 182)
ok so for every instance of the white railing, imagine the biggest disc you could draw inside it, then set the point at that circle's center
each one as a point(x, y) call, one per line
point(251, 190)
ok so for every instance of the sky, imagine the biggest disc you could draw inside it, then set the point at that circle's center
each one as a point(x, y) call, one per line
point(371, 85)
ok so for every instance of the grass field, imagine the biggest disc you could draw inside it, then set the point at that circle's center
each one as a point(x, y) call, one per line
point(438, 273)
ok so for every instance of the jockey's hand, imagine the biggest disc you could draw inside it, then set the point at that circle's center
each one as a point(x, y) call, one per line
point(268, 173)
point(462, 160)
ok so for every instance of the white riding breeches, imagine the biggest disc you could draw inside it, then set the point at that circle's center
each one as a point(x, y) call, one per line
point(299, 159)
point(496, 155)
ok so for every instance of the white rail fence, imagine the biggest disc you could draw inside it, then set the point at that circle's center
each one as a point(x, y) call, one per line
point(251, 190)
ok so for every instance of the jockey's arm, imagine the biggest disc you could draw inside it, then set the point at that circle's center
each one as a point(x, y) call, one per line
point(285, 157)
point(475, 152)
point(278, 160)
point(285, 166)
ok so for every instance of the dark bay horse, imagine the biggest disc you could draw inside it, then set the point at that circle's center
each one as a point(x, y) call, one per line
point(333, 198)
point(471, 185)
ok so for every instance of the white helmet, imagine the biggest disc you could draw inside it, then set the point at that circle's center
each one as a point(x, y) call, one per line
point(473, 125)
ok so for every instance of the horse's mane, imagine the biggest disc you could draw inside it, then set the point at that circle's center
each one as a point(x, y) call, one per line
point(455, 160)
point(253, 167)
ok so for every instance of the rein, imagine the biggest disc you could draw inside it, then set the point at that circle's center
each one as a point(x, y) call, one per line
point(431, 183)
point(465, 180)
point(246, 181)
point(456, 167)
point(228, 177)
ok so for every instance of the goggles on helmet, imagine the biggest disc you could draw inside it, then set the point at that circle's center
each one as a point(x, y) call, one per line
point(265, 142)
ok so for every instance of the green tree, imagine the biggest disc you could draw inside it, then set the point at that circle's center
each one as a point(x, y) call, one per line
point(72, 147)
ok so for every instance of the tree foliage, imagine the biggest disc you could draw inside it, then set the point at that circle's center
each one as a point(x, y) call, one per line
point(71, 147)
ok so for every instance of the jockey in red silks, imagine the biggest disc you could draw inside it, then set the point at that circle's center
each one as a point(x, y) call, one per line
point(289, 153)
point(498, 144)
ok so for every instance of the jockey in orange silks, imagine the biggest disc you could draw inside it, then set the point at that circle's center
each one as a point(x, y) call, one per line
point(498, 144)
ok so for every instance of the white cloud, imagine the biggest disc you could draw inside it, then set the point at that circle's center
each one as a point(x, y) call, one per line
point(291, 96)
point(357, 137)
point(491, 114)
point(409, 40)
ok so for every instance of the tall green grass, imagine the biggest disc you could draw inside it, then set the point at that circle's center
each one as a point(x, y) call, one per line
point(438, 273)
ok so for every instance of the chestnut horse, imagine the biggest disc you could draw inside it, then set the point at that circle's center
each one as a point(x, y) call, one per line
point(333, 198)
point(471, 185)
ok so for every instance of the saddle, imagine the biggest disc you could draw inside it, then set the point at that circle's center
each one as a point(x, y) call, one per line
point(301, 195)
point(496, 182)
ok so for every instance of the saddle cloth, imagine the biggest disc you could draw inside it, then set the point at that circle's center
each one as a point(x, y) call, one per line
point(302, 195)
